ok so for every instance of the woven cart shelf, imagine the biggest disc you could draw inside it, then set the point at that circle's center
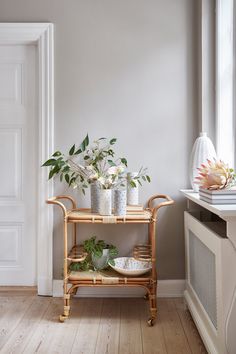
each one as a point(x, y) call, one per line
point(76, 279)
point(85, 216)
point(109, 277)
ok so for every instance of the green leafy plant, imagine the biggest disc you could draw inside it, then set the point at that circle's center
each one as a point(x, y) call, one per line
point(59, 164)
point(141, 177)
point(85, 164)
point(95, 249)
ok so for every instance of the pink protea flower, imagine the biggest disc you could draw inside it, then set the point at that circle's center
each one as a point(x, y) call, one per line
point(215, 175)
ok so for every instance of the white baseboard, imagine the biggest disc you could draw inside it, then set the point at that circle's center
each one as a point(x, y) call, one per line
point(166, 288)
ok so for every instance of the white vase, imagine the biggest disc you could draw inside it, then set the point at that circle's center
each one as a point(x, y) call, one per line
point(94, 197)
point(203, 149)
point(132, 192)
point(101, 262)
point(105, 201)
point(120, 201)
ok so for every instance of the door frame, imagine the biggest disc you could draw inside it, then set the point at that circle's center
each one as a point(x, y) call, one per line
point(42, 36)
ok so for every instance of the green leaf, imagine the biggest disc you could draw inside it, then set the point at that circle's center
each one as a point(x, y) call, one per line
point(67, 178)
point(111, 163)
point(53, 171)
point(78, 152)
point(86, 157)
point(148, 178)
point(61, 177)
point(72, 181)
point(57, 153)
point(87, 140)
point(111, 262)
point(72, 150)
point(84, 143)
point(133, 184)
point(139, 182)
point(110, 152)
point(124, 161)
point(66, 169)
point(113, 141)
point(50, 162)
point(144, 178)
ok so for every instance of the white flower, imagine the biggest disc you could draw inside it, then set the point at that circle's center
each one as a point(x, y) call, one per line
point(94, 176)
point(101, 180)
point(115, 170)
point(90, 168)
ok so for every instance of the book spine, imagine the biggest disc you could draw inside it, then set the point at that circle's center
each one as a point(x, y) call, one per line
point(218, 197)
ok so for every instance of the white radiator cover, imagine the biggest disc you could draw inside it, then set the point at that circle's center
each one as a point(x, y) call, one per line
point(202, 275)
point(210, 283)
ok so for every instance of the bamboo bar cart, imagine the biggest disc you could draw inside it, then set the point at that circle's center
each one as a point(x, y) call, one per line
point(75, 279)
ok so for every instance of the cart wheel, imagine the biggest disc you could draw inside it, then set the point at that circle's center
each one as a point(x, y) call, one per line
point(146, 296)
point(150, 322)
point(62, 318)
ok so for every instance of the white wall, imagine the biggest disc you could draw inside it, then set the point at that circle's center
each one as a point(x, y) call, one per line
point(126, 69)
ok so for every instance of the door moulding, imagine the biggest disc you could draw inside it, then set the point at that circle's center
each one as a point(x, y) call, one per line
point(41, 35)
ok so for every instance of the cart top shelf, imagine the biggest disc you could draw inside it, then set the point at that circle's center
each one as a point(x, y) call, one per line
point(85, 216)
point(145, 216)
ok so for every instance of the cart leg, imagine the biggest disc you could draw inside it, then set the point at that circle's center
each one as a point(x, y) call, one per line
point(153, 306)
point(66, 308)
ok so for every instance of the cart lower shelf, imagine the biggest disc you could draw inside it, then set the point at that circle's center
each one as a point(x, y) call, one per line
point(110, 278)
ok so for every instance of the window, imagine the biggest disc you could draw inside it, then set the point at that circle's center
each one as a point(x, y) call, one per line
point(225, 80)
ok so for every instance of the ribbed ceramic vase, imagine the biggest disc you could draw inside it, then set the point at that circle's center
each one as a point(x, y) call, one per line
point(94, 197)
point(120, 201)
point(203, 149)
point(132, 192)
point(105, 201)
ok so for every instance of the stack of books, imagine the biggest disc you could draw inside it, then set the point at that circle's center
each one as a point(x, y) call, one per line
point(223, 196)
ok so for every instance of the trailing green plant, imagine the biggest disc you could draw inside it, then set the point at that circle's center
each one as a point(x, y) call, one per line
point(94, 248)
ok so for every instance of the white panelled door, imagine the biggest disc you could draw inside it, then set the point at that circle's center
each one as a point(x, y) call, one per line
point(18, 161)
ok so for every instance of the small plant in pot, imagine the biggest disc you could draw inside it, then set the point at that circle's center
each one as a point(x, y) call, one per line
point(100, 252)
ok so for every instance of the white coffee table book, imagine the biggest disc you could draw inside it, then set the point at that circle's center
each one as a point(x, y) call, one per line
point(210, 247)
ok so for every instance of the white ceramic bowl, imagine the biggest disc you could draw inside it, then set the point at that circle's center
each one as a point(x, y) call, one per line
point(131, 266)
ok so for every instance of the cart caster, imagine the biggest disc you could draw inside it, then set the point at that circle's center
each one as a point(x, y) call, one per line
point(150, 322)
point(146, 296)
point(62, 318)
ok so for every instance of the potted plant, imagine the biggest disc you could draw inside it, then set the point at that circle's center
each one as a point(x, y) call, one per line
point(99, 253)
point(134, 180)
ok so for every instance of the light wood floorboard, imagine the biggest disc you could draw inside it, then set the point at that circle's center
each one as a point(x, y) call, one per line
point(29, 324)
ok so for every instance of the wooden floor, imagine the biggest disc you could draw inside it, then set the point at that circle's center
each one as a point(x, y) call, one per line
point(29, 324)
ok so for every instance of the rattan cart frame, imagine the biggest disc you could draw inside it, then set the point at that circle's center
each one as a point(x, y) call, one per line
point(72, 281)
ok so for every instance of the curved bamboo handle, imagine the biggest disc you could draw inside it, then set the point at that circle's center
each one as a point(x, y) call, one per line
point(154, 210)
point(54, 200)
